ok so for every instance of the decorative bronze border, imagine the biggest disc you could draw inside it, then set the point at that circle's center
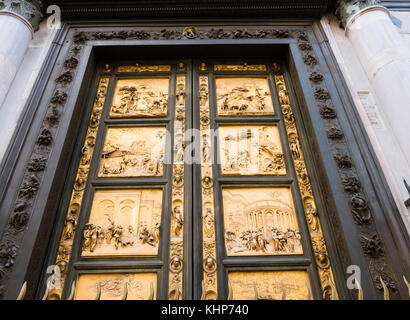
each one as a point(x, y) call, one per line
point(209, 284)
point(22, 212)
point(315, 228)
point(176, 263)
point(70, 226)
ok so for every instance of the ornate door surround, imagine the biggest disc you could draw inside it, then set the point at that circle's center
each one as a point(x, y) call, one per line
point(126, 227)
point(322, 104)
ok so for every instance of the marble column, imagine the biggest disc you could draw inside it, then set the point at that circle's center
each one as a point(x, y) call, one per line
point(385, 58)
point(18, 22)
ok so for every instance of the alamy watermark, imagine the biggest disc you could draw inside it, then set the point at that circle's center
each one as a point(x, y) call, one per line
point(54, 20)
point(237, 148)
point(354, 280)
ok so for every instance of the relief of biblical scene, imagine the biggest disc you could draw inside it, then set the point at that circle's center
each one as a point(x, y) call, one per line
point(123, 223)
point(135, 286)
point(141, 97)
point(133, 152)
point(270, 285)
point(251, 150)
point(260, 221)
point(243, 97)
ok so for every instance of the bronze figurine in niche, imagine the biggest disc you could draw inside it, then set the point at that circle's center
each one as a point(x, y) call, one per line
point(251, 150)
point(133, 152)
point(140, 97)
point(241, 96)
point(123, 222)
point(260, 221)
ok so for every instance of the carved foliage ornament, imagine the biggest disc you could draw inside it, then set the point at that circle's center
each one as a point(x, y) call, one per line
point(188, 33)
point(358, 203)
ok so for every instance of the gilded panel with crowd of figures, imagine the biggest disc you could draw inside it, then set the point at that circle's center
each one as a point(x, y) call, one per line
point(124, 222)
point(133, 152)
point(251, 150)
point(240, 96)
point(140, 97)
point(270, 285)
point(132, 286)
point(260, 221)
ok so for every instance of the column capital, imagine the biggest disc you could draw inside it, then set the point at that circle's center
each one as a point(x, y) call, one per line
point(30, 10)
point(346, 9)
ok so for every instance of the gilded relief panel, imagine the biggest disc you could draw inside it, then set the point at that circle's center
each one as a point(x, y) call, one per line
point(251, 150)
point(123, 223)
point(140, 97)
point(133, 152)
point(240, 67)
point(260, 221)
point(139, 68)
point(134, 286)
point(239, 96)
point(270, 285)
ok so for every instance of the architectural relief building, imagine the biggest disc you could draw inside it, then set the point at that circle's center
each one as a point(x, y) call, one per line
point(204, 149)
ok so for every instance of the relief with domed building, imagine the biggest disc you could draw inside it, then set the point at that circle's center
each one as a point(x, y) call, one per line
point(124, 222)
point(260, 221)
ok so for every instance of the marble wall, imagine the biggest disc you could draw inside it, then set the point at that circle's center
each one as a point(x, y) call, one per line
point(366, 71)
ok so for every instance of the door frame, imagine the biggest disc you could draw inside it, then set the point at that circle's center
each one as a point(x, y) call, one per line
point(32, 249)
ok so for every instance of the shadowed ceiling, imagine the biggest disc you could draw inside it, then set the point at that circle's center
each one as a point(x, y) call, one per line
point(110, 9)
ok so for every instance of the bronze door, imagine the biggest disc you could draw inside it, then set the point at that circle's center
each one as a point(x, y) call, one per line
point(190, 183)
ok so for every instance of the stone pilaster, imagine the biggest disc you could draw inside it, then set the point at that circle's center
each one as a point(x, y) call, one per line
point(19, 19)
point(385, 58)
point(30, 10)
